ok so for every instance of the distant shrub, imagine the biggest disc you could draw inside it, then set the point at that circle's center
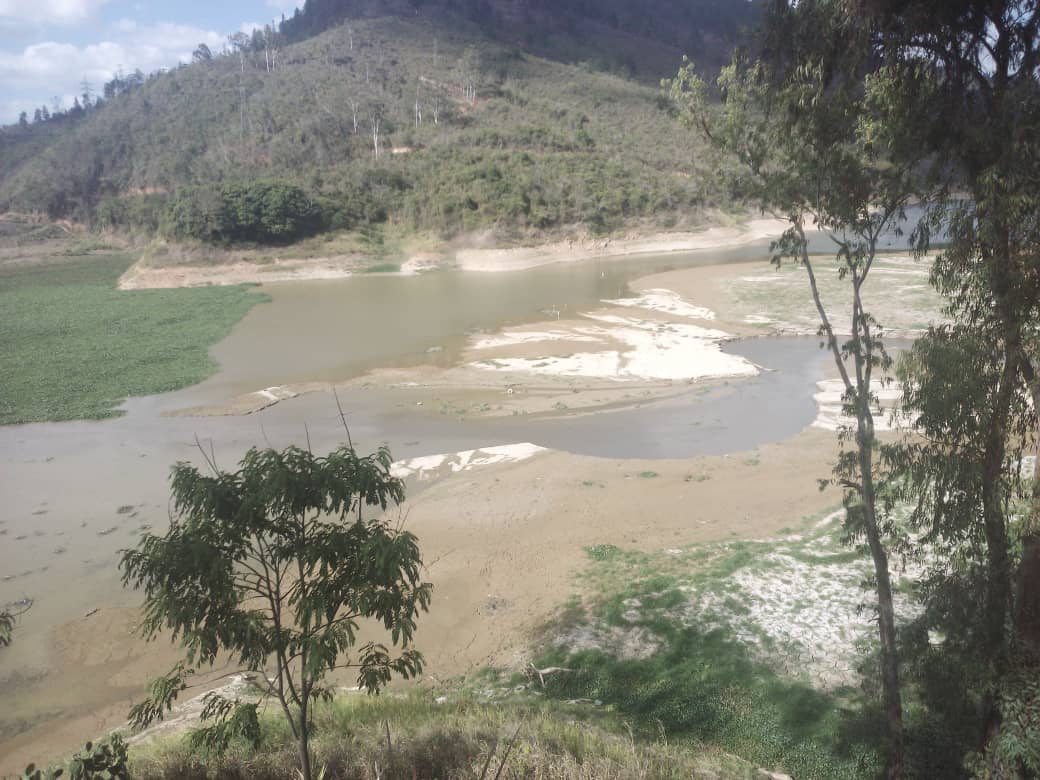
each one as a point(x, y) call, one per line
point(266, 212)
point(131, 212)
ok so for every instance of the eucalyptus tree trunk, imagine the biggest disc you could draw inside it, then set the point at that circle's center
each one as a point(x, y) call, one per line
point(865, 440)
point(1007, 283)
point(858, 386)
point(994, 518)
point(1028, 617)
point(890, 687)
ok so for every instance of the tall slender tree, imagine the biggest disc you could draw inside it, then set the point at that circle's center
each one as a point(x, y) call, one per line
point(795, 124)
point(961, 80)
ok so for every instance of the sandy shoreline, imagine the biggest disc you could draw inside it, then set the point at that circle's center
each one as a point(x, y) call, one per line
point(149, 274)
point(523, 258)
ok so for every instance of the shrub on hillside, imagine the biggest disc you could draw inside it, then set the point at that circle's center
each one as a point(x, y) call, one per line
point(266, 212)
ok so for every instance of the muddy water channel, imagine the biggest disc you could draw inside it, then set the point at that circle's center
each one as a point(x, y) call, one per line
point(76, 493)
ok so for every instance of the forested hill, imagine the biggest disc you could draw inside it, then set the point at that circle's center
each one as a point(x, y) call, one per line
point(618, 35)
point(435, 116)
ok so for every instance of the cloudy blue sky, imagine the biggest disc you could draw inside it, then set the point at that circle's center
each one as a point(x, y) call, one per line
point(48, 47)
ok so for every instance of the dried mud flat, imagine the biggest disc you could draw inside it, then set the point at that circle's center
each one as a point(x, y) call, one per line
point(482, 519)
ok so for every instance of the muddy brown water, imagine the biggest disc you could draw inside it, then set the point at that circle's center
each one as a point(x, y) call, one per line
point(75, 493)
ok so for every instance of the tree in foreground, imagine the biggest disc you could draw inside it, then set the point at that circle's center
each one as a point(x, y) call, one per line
point(797, 140)
point(8, 617)
point(961, 81)
point(274, 566)
point(6, 628)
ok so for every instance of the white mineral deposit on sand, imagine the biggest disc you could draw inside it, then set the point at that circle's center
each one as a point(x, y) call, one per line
point(648, 347)
point(829, 403)
point(429, 466)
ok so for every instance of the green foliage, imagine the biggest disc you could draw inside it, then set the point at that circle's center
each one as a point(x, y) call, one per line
point(453, 739)
point(266, 212)
point(1015, 752)
point(103, 760)
point(276, 565)
point(106, 759)
point(794, 130)
point(234, 720)
point(970, 385)
point(136, 212)
point(75, 347)
point(704, 686)
point(603, 552)
point(6, 627)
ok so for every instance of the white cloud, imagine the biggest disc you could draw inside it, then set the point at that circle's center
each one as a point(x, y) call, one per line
point(35, 12)
point(52, 68)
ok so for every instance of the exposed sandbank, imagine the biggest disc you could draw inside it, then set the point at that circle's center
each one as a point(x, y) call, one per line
point(521, 258)
point(154, 272)
point(141, 275)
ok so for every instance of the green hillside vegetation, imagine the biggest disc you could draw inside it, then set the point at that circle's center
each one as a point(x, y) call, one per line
point(472, 135)
point(641, 40)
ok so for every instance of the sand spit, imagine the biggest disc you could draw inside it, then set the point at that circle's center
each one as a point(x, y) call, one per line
point(633, 350)
point(897, 294)
point(667, 301)
point(650, 351)
point(521, 258)
point(142, 276)
point(644, 338)
point(429, 467)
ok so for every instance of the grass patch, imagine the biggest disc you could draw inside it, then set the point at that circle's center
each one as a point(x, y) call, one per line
point(603, 552)
point(85, 246)
point(75, 347)
point(719, 676)
point(383, 268)
point(704, 687)
point(452, 739)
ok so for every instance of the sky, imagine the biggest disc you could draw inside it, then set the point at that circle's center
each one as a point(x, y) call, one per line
point(49, 47)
